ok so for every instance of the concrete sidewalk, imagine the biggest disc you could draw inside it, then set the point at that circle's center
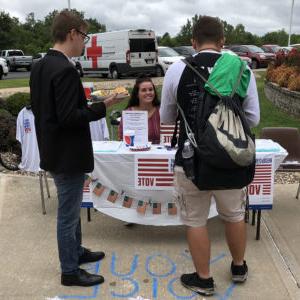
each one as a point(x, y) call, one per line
point(141, 260)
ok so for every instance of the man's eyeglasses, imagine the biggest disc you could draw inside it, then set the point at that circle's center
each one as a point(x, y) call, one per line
point(86, 37)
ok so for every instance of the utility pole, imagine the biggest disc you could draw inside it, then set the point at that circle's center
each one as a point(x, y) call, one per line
point(69, 4)
point(291, 22)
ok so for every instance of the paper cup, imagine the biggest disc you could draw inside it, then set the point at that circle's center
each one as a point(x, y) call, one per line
point(128, 137)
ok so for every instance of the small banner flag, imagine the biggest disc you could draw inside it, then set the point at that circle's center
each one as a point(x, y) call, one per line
point(112, 197)
point(87, 180)
point(141, 207)
point(156, 208)
point(127, 202)
point(99, 189)
point(172, 209)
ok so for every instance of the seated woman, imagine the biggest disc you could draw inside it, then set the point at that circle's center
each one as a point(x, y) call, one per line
point(144, 97)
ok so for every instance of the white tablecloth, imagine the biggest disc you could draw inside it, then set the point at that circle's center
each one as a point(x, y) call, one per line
point(115, 169)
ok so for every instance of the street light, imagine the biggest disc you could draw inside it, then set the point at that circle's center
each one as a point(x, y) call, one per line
point(291, 21)
point(69, 4)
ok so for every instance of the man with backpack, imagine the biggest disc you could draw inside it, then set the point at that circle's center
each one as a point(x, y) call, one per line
point(200, 173)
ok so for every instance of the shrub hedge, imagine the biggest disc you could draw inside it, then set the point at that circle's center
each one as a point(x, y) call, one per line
point(16, 102)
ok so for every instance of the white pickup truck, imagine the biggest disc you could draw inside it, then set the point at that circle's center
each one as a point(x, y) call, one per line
point(16, 59)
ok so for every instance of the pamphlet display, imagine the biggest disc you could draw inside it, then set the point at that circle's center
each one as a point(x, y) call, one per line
point(136, 121)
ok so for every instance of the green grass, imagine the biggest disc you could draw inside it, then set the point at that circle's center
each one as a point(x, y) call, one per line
point(24, 82)
point(270, 115)
point(14, 83)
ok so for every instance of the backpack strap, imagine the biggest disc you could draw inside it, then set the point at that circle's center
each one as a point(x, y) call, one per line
point(202, 77)
point(243, 66)
point(174, 138)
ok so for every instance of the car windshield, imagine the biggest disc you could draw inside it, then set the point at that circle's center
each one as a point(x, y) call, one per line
point(255, 49)
point(189, 49)
point(275, 48)
point(167, 52)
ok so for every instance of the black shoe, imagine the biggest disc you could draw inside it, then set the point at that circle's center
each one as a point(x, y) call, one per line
point(239, 273)
point(89, 256)
point(205, 287)
point(81, 278)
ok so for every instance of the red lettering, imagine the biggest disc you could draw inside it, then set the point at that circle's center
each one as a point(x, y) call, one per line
point(254, 189)
point(145, 181)
point(257, 189)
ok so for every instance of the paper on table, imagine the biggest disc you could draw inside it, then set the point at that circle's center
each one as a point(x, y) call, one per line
point(137, 121)
point(106, 146)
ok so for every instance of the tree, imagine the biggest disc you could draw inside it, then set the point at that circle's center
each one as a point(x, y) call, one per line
point(279, 37)
point(95, 26)
point(166, 40)
point(7, 24)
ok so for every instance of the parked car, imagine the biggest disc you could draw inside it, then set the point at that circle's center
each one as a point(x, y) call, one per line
point(270, 48)
point(258, 57)
point(16, 59)
point(38, 57)
point(3, 68)
point(297, 46)
point(285, 50)
point(185, 50)
point(244, 58)
point(166, 56)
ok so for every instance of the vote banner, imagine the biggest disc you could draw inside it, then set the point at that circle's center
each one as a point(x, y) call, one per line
point(261, 189)
point(166, 133)
point(153, 173)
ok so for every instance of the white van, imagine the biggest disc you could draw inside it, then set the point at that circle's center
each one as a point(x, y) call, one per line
point(117, 53)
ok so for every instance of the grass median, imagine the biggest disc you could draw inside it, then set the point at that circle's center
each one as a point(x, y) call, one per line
point(24, 82)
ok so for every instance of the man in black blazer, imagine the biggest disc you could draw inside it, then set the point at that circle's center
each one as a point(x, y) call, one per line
point(62, 126)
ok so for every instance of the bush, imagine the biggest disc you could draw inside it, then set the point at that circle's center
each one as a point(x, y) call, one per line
point(7, 131)
point(2, 103)
point(285, 76)
point(16, 102)
point(5, 113)
point(294, 83)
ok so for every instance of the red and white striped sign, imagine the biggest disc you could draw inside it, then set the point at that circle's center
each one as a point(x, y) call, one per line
point(154, 173)
point(261, 188)
point(166, 133)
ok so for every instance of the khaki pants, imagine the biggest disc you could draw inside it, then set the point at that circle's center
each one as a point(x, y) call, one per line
point(195, 204)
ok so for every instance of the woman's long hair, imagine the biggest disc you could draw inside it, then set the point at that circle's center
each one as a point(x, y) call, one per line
point(134, 98)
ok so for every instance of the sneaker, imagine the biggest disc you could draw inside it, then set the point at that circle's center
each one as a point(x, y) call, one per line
point(204, 287)
point(239, 273)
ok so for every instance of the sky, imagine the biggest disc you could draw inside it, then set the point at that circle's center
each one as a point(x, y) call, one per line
point(258, 16)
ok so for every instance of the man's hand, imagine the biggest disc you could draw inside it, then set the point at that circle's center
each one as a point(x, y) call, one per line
point(113, 99)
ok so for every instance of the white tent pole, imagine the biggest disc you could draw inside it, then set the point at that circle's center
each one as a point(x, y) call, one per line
point(291, 22)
